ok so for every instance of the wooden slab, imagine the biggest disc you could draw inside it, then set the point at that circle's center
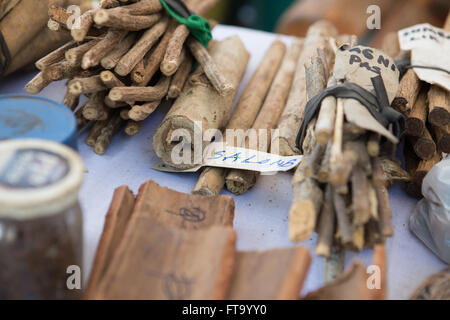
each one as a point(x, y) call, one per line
point(181, 210)
point(157, 262)
point(116, 220)
point(269, 275)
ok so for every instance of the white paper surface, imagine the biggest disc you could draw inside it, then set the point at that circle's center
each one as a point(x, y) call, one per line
point(261, 215)
point(430, 46)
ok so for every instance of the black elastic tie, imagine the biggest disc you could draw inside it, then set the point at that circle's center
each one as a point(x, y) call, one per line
point(6, 53)
point(377, 105)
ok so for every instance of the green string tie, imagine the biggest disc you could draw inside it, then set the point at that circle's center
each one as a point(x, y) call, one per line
point(198, 26)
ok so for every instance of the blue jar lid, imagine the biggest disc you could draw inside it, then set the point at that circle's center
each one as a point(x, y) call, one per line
point(27, 116)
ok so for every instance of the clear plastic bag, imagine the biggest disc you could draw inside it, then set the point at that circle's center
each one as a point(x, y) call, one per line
point(430, 219)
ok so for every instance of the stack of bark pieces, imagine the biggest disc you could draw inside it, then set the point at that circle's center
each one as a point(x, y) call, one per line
point(427, 108)
point(126, 57)
point(183, 247)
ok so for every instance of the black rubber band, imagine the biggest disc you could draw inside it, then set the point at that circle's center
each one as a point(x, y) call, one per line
point(6, 53)
point(377, 105)
point(427, 67)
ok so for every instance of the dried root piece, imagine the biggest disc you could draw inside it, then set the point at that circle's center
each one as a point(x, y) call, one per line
point(124, 21)
point(215, 76)
point(95, 108)
point(132, 127)
point(112, 58)
point(180, 77)
point(85, 23)
point(37, 84)
point(95, 132)
point(138, 51)
point(141, 112)
point(107, 134)
point(155, 93)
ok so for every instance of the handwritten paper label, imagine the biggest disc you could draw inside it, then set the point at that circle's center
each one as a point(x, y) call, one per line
point(430, 47)
point(221, 155)
point(358, 65)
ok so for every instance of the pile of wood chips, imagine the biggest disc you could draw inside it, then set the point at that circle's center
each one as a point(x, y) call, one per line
point(126, 57)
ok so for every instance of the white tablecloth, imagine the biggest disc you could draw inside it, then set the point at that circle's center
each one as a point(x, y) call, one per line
point(261, 216)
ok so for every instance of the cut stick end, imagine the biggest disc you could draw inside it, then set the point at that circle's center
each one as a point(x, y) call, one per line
point(99, 149)
point(101, 17)
point(302, 219)
point(75, 88)
point(439, 116)
point(415, 127)
point(322, 250)
point(122, 70)
point(115, 95)
point(425, 148)
point(169, 68)
point(32, 89)
point(91, 114)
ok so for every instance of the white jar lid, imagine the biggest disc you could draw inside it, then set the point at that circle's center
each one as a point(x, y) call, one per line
point(37, 178)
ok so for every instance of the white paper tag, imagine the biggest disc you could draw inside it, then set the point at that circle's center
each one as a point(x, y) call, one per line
point(430, 46)
point(218, 154)
point(358, 65)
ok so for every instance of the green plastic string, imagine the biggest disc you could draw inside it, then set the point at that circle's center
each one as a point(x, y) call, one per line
point(198, 26)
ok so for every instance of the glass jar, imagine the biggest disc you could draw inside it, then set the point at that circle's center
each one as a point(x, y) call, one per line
point(40, 220)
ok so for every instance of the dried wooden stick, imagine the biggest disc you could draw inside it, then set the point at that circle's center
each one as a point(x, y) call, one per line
point(384, 211)
point(54, 56)
point(143, 7)
point(95, 132)
point(326, 225)
point(180, 77)
point(442, 136)
point(95, 108)
point(155, 93)
point(439, 106)
point(107, 134)
point(341, 169)
point(171, 58)
point(424, 167)
point(124, 21)
point(326, 117)
point(153, 59)
point(343, 220)
point(75, 55)
point(138, 51)
point(108, 4)
point(415, 123)
point(92, 84)
point(407, 93)
point(59, 14)
point(37, 84)
point(110, 80)
point(212, 180)
point(132, 127)
point(323, 172)
point(82, 122)
point(70, 100)
point(293, 113)
point(61, 70)
point(92, 57)
point(212, 71)
point(212, 109)
point(85, 23)
point(112, 58)
point(141, 112)
point(360, 197)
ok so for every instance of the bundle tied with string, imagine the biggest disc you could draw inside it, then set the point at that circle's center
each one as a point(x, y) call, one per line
point(340, 187)
point(127, 57)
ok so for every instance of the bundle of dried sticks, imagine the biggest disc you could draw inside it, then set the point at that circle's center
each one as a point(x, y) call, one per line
point(427, 108)
point(340, 187)
point(126, 57)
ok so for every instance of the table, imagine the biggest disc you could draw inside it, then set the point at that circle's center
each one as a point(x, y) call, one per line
point(261, 216)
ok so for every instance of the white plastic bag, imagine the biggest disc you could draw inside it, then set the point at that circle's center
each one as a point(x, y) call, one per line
point(430, 219)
